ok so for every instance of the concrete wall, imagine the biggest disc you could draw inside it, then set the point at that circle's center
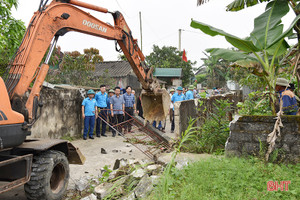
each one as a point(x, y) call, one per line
point(131, 80)
point(61, 113)
point(176, 82)
point(185, 110)
point(246, 131)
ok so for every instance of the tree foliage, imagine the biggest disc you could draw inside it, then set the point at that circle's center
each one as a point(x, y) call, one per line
point(217, 72)
point(78, 69)
point(12, 31)
point(170, 57)
point(122, 57)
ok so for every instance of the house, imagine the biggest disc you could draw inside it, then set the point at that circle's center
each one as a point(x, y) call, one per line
point(172, 76)
point(121, 72)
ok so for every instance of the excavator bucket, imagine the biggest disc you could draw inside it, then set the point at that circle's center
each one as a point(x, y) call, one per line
point(155, 105)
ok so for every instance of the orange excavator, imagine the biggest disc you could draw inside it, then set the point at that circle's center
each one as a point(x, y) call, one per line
point(42, 165)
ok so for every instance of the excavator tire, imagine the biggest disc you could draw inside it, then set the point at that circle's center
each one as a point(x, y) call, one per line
point(49, 177)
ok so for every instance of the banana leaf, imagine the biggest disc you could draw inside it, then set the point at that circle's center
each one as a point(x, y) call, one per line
point(242, 44)
point(229, 55)
point(267, 34)
point(267, 26)
point(237, 5)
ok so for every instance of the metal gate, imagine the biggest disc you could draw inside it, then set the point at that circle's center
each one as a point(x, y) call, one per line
point(146, 138)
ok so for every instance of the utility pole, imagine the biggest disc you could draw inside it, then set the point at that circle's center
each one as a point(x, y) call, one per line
point(179, 45)
point(141, 31)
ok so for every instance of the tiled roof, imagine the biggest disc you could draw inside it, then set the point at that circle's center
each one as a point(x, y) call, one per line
point(114, 68)
point(167, 72)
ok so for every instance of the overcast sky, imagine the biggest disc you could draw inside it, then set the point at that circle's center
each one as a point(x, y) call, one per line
point(161, 20)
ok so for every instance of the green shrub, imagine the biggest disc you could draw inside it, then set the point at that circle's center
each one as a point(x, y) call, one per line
point(257, 103)
point(213, 133)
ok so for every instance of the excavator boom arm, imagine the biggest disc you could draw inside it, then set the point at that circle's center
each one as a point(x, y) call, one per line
point(54, 20)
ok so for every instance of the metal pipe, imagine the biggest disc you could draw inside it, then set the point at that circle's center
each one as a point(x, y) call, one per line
point(179, 43)
point(89, 6)
point(51, 49)
point(141, 30)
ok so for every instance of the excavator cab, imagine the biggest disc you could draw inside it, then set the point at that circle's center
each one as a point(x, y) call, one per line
point(11, 122)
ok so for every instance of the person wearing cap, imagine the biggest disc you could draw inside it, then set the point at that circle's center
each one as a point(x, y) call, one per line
point(89, 112)
point(216, 91)
point(102, 112)
point(111, 93)
point(189, 94)
point(289, 102)
point(178, 96)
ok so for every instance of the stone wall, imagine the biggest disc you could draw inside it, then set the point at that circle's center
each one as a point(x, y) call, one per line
point(246, 132)
point(60, 115)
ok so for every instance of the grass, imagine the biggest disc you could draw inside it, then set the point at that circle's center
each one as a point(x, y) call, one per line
point(230, 178)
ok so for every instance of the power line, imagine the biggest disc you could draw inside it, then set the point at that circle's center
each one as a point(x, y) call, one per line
point(162, 38)
point(193, 32)
point(134, 16)
point(151, 28)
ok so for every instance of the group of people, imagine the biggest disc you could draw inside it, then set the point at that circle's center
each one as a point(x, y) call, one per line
point(112, 107)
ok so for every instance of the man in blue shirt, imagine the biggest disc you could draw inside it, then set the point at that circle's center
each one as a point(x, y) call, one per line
point(89, 110)
point(117, 110)
point(178, 96)
point(111, 93)
point(289, 102)
point(189, 94)
point(101, 98)
point(129, 107)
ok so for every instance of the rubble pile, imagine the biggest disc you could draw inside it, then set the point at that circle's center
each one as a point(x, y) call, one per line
point(128, 180)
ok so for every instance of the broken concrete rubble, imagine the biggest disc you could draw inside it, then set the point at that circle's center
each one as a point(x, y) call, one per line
point(90, 197)
point(137, 177)
point(81, 184)
point(144, 187)
point(155, 179)
point(102, 190)
point(138, 173)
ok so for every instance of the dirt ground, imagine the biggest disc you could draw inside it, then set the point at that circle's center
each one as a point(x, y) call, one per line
point(91, 149)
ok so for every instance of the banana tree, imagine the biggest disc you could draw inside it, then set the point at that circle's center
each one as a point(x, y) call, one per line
point(262, 49)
